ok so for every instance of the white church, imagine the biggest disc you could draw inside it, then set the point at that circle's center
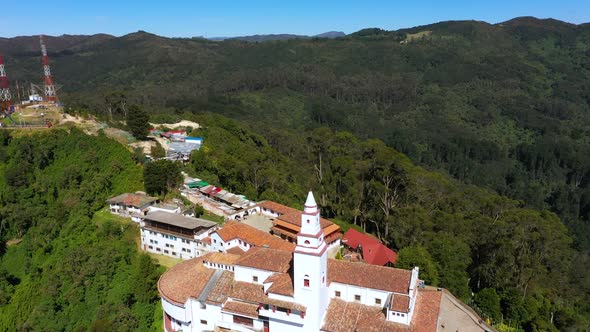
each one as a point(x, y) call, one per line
point(267, 289)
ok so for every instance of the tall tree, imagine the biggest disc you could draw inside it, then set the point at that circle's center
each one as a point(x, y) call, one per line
point(138, 122)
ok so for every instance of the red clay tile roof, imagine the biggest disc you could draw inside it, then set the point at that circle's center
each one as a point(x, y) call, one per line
point(184, 280)
point(282, 284)
point(221, 258)
point(400, 303)
point(426, 310)
point(295, 219)
point(266, 259)
point(293, 216)
point(374, 252)
point(206, 240)
point(381, 278)
point(238, 230)
point(135, 200)
point(235, 251)
point(220, 291)
point(241, 308)
point(280, 208)
point(352, 317)
point(254, 293)
point(247, 291)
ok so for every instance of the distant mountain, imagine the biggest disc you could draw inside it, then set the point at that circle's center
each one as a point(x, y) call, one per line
point(331, 34)
point(24, 45)
point(263, 38)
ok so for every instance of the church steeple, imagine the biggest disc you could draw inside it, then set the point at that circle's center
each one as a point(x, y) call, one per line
point(310, 218)
point(310, 266)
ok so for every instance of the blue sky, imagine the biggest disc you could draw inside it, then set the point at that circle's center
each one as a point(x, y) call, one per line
point(186, 18)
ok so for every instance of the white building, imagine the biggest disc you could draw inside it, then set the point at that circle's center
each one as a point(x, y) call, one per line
point(166, 207)
point(131, 205)
point(286, 223)
point(237, 237)
point(266, 289)
point(175, 235)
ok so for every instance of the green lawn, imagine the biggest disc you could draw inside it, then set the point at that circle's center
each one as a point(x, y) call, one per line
point(165, 261)
point(212, 217)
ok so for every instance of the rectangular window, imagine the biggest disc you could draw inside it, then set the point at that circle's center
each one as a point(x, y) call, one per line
point(357, 297)
point(337, 293)
point(166, 252)
point(243, 321)
point(174, 253)
point(151, 247)
point(204, 322)
point(158, 249)
point(255, 279)
point(377, 301)
point(305, 282)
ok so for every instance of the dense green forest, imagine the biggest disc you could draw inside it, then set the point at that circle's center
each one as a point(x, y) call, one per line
point(77, 268)
point(503, 106)
point(500, 111)
point(463, 237)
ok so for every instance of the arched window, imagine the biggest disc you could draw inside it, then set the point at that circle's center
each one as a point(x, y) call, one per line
point(306, 242)
point(308, 221)
point(306, 281)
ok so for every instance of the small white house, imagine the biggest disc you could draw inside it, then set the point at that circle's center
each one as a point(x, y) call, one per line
point(131, 205)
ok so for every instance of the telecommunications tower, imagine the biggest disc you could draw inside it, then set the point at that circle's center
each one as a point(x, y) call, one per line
point(5, 96)
point(49, 87)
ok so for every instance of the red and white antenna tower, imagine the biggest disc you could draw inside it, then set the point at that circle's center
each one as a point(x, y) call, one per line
point(50, 91)
point(5, 96)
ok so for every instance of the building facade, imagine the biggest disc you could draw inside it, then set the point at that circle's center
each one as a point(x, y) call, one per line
point(266, 289)
point(131, 205)
point(175, 235)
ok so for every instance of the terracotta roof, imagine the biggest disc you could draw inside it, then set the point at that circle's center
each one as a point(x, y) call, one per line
point(221, 258)
point(220, 291)
point(206, 240)
point(290, 227)
point(344, 316)
point(280, 208)
point(426, 310)
point(400, 303)
point(247, 291)
point(381, 278)
point(266, 259)
point(135, 200)
point(295, 219)
point(374, 252)
point(184, 280)
point(235, 251)
point(282, 284)
point(238, 230)
point(293, 216)
point(241, 308)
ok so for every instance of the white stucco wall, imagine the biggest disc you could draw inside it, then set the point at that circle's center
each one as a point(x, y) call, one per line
point(246, 274)
point(368, 296)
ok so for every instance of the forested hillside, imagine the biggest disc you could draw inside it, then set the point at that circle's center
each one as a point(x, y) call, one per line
point(519, 262)
point(503, 106)
point(502, 109)
point(75, 269)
